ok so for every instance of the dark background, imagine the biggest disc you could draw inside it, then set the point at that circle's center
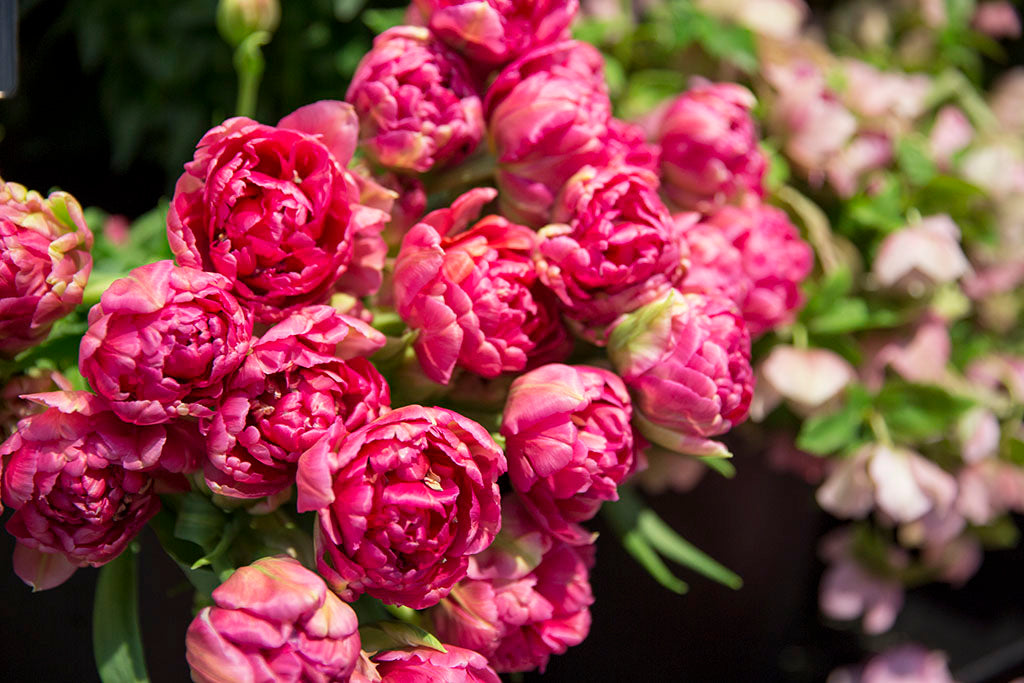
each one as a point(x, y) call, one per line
point(110, 106)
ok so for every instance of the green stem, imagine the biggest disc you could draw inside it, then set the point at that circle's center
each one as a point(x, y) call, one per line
point(249, 65)
point(879, 428)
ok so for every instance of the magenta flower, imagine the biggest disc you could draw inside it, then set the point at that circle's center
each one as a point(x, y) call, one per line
point(273, 620)
point(548, 116)
point(457, 665)
point(473, 294)
point(686, 361)
point(716, 265)
point(775, 260)
point(402, 503)
point(44, 263)
point(613, 248)
point(274, 210)
point(709, 153)
point(302, 376)
point(161, 342)
point(418, 106)
point(81, 483)
point(527, 597)
point(494, 32)
point(569, 444)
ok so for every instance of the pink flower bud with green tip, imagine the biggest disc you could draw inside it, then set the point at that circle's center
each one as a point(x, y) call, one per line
point(709, 152)
point(775, 259)
point(273, 620)
point(569, 444)
point(494, 32)
point(686, 361)
point(418, 106)
point(402, 503)
point(455, 665)
point(162, 341)
point(473, 294)
point(44, 263)
point(274, 210)
point(548, 116)
point(527, 597)
point(81, 483)
point(613, 248)
point(302, 376)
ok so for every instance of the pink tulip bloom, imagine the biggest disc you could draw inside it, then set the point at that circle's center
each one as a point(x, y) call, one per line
point(613, 248)
point(302, 376)
point(44, 263)
point(492, 33)
point(716, 265)
point(686, 361)
point(526, 598)
point(709, 152)
point(569, 444)
point(548, 116)
point(473, 294)
point(273, 620)
point(162, 341)
point(81, 483)
point(417, 103)
point(402, 503)
point(775, 259)
point(274, 210)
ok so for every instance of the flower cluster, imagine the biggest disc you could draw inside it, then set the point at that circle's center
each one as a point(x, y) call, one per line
point(282, 363)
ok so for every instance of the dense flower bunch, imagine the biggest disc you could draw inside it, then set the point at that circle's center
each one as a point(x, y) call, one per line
point(322, 343)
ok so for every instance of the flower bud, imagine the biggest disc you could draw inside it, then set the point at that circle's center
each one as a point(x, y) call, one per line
point(238, 19)
point(273, 620)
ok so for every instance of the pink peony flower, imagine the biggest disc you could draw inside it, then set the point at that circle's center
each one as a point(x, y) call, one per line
point(456, 665)
point(709, 152)
point(274, 210)
point(81, 483)
point(44, 263)
point(494, 32)
point(775, 260)
point(273, 620)
point(402, 503)
point(162, 341)
point(418, 107)
point(686, 361)
point(613, 248)
point(548, 116)
point(527, 597)
point(569, 444)
point(302, 376)
point(473, 295)
point(921, 256)
point(951, 132)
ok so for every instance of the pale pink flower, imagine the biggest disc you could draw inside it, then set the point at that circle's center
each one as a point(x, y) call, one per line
point(921, 256)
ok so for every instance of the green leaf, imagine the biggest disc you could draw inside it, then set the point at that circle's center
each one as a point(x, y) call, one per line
point(1002, 533)
point(644, 535)
point(184, 553)
point(117, 644)
point(844, 315)
point(824, 434)
point(915, 412)
point(729, 42)
point(832, 287)
point(199, 521)
point(394, 635)
point(380, 20)
point(720, 464)
point(673, 546)
point(914, 160)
